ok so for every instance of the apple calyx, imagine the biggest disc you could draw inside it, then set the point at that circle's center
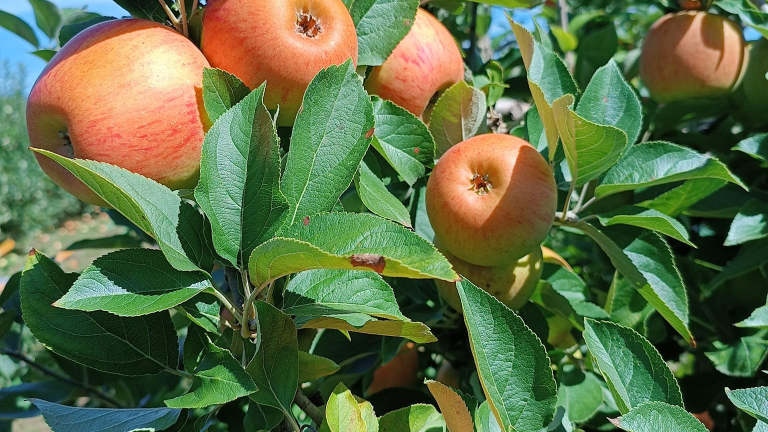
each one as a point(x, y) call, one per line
point(67, 142)
point(307, 25)
point(480, 184)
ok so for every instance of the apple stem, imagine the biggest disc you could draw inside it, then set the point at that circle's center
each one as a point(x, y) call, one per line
point(564, 24)
point(567, 201)
point(184, 21)
point(311, 410)
point(171, 16)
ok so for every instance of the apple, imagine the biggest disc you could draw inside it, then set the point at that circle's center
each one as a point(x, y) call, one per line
point(401, 371)
point(283, 42)
point(691, 54)
point(426, 62)
point(491, 200)
point(511, 284)
point(127, 92)
point(705, 419)
point(448, 375)
point(752, 94)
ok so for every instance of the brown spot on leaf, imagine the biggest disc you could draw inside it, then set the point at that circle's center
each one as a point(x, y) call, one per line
point(369, 134)
point(416, 150)
point(615, 421)
point(306, 220)
point(372, 261)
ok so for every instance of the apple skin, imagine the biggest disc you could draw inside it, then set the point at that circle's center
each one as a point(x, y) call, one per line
point(261, 40)
point(507, 222)
point(126, 92)
point(401, 371)
point(510, 284)
point(424, 63)
point(691, 54)
point(752, 94)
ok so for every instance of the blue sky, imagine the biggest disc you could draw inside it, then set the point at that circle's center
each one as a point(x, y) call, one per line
point(16, 50)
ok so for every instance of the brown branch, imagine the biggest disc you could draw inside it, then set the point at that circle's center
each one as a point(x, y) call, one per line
point(98, 393)
point(302, 401)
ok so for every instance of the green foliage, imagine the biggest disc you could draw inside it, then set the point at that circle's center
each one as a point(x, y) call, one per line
point(29, 201)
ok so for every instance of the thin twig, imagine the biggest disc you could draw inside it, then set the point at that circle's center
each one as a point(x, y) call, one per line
point(302, 401)
point(568, 199)
point(564, 24)
point(588, 203)
point(471, 57)
point(171, 16)
point(583, 193)
point(98, 393)
point(184, 24)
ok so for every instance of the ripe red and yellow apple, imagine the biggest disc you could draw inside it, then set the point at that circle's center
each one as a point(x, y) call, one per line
point(752, 94)
point(126, 92)
point(491, 200)
point(401, 371)
point(691, 54)
point(283, 42)
point(426, 62)
point(510, 284)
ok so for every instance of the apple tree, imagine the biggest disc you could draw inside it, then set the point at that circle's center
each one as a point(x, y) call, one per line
point(400, 215)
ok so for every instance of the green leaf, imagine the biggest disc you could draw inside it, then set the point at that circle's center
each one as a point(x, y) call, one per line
point(748, 13)
point(313, 367)
point(661, 284)
point(649, 219)
point(453, 407)
point(758, 319)
point(375, 195)
point(71, 30)
point(750, 257)
point(627, 306)
point(202, 311)
point(659, 162)
point(403, 140)
point(485, 419)
point(753, 401)
point(590, 149)
point(316, 293)
point(10, 289)
point(551, 300)
point(459, 114)
point(218, 379)
point(512, 364)
point(133, 282)
point(342, 413)
point(7, 319)
point(678, 200)
point(348, 241)
point(610, 100)
point(548, 79)
point(418, 207)
point(633, 369)
point(755, 146)
point(239, 187)
point(154, 208)
point(492, 83)
point(47, 16)
point(83, 336)
point(120, 241)
point(380, 25)
point(330, 138)
point(222, 91)
point(44, 54)
point(75, 419)
point(275, 367)
point(750, 224)
point(567, 41)
point(144, 9)
point(18, 27)
point(580, 392)
point(195, 347)
point(313, 297)
point(262, 418)
point(741, 358)
point(415, 418)
point(369, 416)
point(658, 416)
